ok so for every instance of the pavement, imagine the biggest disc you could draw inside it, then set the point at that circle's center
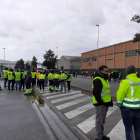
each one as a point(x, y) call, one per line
point(23, 120)
point(77, 111)
point(85, 83)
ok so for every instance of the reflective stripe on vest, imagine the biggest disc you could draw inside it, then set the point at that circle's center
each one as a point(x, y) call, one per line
point(132, 103)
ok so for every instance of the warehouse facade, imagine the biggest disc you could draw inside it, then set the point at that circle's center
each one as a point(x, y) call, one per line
point(117, 56)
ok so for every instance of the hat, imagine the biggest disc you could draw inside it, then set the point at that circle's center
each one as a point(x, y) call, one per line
point(130, 69)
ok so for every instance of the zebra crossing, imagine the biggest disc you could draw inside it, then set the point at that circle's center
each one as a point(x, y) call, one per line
point(78, 108)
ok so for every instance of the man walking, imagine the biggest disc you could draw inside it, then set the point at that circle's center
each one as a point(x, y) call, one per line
point(101, 100)
point(128, 99)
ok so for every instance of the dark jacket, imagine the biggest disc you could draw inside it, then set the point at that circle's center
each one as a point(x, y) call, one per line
point(97, 91)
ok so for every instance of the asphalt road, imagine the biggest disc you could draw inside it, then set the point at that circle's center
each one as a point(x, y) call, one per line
point(86, 83)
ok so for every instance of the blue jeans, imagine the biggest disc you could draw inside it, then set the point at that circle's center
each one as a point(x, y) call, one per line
point(18, 85)
point(46, 82)
point(63, 83)
point(5, 81)
point(131, 118)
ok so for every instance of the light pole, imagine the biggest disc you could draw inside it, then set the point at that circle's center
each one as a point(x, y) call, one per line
point(57, 57)
point(97, 47)
point(4, 57)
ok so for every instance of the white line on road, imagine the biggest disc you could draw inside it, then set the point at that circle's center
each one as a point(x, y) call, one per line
point(118, 132)
point(66, 98)
point(78, 111)
point(62, 106)
point(89, 124)
point(66, 94)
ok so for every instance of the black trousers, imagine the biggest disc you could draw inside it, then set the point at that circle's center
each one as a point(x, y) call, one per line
point(9, 82)
point(33, 81)
point(68, 83)
point(22, 83)
point(37, 82)
point(41, 83)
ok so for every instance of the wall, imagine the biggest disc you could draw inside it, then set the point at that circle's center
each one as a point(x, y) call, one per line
point(63, 62)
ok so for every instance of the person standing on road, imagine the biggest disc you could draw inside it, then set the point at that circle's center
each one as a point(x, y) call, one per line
point(23, 79)
point(18, 77)
point(28, 82)
point(33, 73)
point(11, 77)
point(41, 80)
point(101, 100)
point(63, 78)
point(69, 78)
point(5, 75)
point(56, 81)
point(128, 99)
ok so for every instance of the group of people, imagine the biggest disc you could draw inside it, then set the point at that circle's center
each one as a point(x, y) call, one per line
point(128, 100)
point(26, 79)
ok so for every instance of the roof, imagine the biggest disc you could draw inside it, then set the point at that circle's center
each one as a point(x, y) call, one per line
point(73, 58)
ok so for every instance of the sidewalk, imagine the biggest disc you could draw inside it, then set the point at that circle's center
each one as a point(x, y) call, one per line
point(18, 117)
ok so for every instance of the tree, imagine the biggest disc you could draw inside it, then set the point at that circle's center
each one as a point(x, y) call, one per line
point(27, 66)
point(34, 61)
point(136, 18)
point(50, 59)
point(19, 64)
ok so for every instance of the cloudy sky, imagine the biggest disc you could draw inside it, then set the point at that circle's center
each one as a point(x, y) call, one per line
point(30, 27)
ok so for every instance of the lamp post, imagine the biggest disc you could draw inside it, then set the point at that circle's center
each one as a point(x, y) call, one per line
point(4, 56)
point(57, 57)
point(97, 47)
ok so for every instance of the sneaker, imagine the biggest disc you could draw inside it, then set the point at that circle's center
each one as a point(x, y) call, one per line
point(105, 138)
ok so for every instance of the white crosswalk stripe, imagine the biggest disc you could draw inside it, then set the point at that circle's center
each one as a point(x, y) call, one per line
point(89, 124)
point(78, 111)
point(51, 97)
point(118, 132)
point(66, 98)
point(62, 106)
point(74, 111)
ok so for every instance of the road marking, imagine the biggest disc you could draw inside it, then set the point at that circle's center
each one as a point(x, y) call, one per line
point(62, 106)
point(89, 124)
point(50, 93)
point(78, 111)
point(118, 132)
point(66, 94)
point(66, 98)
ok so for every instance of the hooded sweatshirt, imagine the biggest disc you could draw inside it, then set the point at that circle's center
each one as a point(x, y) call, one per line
point(28, 78)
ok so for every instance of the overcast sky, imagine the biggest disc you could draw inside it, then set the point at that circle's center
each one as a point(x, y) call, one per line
point(30, 27)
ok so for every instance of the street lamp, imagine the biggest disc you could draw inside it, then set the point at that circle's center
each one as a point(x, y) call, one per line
point(57, 57)
point(4, 56)
point(97, 46)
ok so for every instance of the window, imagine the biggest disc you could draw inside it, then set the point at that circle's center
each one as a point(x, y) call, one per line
point(94, 59)
point(130, 54)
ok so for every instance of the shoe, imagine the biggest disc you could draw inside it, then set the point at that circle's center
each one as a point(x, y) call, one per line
point(25, 94)
point(105, 138)
point(13, 89)
point(98, 139)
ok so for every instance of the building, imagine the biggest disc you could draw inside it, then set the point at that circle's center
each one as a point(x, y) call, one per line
point(69, 62)
point(117, 56)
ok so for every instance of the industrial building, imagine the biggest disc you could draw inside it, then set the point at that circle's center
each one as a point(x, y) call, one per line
point(117, 56)
point(69, 62)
